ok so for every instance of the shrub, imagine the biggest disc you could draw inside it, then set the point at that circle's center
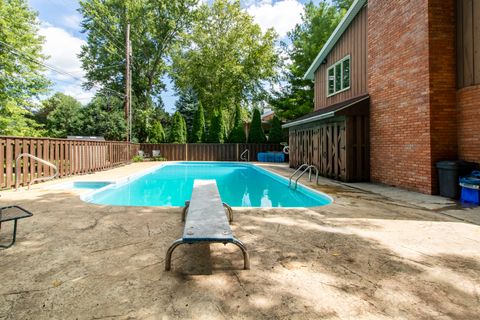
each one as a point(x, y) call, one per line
point(256, 135)
point(177, 134)
point(217, 128)
point(156, 134)
point(137, 158)
point(237, 135)
point(276, 134)
point(198, 127)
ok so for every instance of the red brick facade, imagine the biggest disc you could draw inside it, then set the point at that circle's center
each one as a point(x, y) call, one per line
point(468, 106)
point(411, 81)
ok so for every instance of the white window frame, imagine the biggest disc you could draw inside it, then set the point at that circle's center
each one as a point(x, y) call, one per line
point(347, 57)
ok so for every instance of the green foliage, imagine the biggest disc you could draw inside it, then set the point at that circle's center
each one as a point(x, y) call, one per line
point(342, 4)
point(225, 58)
point(198, 128)
point(137, 158)
point(157, 134)
point(21, 78)
point(184, 130)
point(155, 28)
point(237, 135)
point(177, 134)
point(187, 104)
point(64, 116)
point(16, 121)
point(307, 38)
point(256, 134)
point(276, 134)
point(216, 132)
point(104, 117)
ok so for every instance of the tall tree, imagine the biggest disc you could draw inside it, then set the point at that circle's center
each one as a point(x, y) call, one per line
point(226, 58)
point(276, 134)
point(155, 28)
point(342, 4)
point(198, 128)
point(256, 134)
point(237, 134)
point(187, 105)
point(157, 134)
point(216, 132)
point(21, 77)
point(307, 38)
point(65, 116)
point(103, 116)
point(177, 134)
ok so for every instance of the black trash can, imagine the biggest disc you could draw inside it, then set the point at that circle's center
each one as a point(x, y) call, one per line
point(448, 174)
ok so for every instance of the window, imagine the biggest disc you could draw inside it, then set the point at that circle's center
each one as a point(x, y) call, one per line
point(338, 76)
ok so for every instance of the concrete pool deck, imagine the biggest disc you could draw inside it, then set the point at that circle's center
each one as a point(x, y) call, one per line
point(372, 254)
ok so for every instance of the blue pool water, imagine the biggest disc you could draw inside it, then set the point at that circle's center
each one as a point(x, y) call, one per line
point(89, 184)
point(240, 185)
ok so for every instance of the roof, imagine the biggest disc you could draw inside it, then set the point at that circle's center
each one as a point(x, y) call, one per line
point(352, 12)
point(332, 111)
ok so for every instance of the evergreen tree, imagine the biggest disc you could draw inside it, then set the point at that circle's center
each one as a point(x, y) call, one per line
point(187, 104)
point(64, 117)
point(184, 130)
point(256, 134)
point(198, 128)
point(156, 135)
point(237, 135)
point(276, 134)
point(217, 128)
point(176, 131)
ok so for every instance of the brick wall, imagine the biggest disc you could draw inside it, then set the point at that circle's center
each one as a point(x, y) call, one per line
point(443, 122)
point(468, 104)
point(410, 72)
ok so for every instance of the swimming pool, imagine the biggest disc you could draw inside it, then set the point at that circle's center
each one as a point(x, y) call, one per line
point(239, 184)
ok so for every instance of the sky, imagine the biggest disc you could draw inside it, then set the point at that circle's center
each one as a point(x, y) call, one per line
point(60, 25)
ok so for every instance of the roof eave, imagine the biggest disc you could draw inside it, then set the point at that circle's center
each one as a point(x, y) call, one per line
point(352, 12)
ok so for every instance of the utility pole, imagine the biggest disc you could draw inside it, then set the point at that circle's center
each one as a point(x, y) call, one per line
point(128, 84)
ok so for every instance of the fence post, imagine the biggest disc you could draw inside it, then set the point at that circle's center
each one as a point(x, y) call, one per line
point(186, 151)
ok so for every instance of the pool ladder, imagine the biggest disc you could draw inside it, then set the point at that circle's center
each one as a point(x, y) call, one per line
point(245, 156)
point(306, 167)
point(17, 170)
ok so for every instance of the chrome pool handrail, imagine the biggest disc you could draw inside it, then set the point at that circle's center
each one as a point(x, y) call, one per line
point(245, 155)
point(298, 169)
point(309, 169)
point(45, 162)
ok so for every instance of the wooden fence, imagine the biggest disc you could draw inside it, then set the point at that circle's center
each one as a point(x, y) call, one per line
point(208, 151)
point(71, 157)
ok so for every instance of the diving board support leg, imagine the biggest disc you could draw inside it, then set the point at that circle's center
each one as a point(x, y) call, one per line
point(246, 257)
point(168, 258)
point(185, 209)
point(230, 212)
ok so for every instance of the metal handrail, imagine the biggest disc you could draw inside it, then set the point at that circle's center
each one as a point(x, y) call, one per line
point(309, 169)
point(17, 170)
point(245, 155)
point(299, 168)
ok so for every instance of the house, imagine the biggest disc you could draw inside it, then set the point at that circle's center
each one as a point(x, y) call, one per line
point(397, 89)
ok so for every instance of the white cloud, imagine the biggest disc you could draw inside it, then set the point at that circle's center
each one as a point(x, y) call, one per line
point(281, 15)
point(63, 49)
point(72, 21)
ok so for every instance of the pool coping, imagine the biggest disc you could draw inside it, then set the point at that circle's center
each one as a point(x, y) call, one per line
point(87, 196)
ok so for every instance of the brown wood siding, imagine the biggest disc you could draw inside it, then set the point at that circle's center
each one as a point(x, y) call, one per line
point(354, 43)
point(339, 148)
point(468, 43)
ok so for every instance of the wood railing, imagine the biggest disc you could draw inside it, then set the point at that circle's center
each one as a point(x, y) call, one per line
point(208, 151)
point(72, 157)
point(75, 157)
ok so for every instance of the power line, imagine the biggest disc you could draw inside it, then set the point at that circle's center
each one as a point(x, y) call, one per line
point(52, 68)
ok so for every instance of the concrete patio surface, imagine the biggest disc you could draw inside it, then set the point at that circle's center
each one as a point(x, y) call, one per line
point(372, 254)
